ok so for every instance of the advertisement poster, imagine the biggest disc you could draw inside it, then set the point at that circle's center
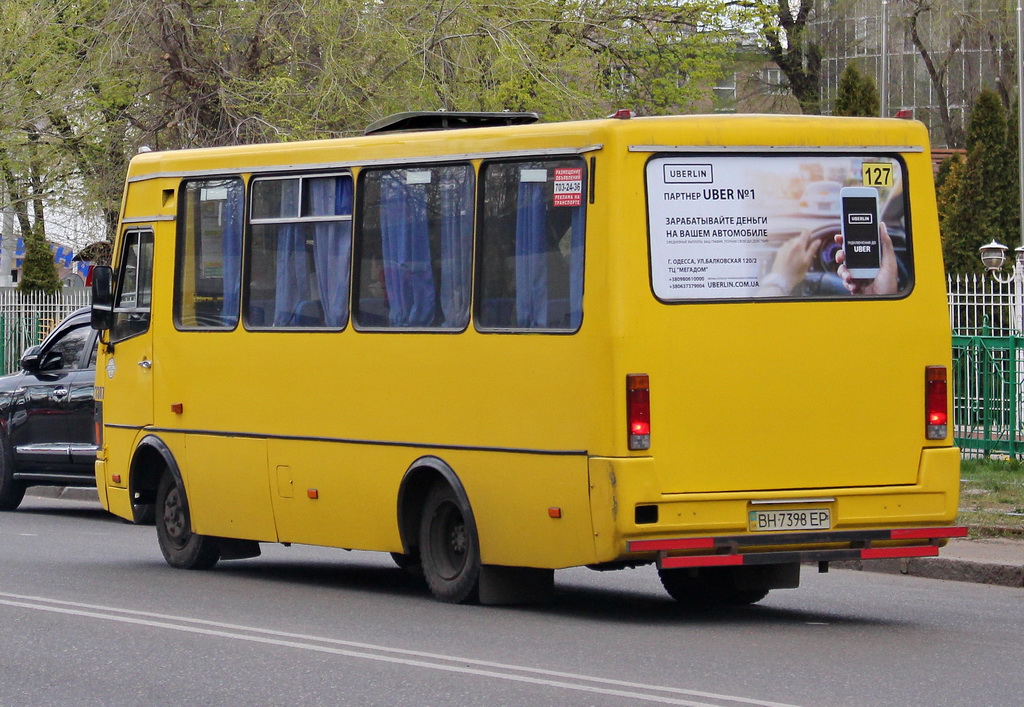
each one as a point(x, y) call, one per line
point(765, 226)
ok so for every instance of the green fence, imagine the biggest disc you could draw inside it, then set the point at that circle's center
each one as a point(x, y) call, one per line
point(987, 376)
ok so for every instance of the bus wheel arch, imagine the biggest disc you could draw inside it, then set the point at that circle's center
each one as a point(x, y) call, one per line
point(151, 460)
point(421, 476)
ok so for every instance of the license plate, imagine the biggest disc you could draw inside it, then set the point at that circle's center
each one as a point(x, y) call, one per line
point(796, 519)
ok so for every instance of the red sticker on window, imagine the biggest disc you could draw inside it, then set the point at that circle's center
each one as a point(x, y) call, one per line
point(568, 186)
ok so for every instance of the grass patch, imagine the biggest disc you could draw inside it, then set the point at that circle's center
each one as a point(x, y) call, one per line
point(992, 497)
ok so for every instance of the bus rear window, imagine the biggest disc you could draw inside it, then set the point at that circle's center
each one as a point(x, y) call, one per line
point(744, 226)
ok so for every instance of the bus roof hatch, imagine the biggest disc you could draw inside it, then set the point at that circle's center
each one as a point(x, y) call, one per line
point(447, 120)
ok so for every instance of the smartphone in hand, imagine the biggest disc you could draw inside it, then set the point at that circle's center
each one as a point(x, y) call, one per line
point(861, 239)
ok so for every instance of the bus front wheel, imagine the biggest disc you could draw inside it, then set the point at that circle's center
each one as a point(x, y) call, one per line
point(449, 547)
point(181, 547)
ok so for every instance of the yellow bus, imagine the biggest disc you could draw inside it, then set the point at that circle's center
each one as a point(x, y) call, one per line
point(495, 348)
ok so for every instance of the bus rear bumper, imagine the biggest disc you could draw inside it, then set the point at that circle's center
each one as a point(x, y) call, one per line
point(782, 548)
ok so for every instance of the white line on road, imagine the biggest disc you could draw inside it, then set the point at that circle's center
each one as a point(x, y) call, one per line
point(385, 654)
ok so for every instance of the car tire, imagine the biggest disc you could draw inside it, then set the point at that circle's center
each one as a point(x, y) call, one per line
point(12, 491)
point(181, 547)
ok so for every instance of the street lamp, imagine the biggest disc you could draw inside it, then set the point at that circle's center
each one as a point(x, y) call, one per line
point(993, 257)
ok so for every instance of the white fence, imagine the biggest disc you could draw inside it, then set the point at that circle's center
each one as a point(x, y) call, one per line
point(980, 306)
point(26, 318)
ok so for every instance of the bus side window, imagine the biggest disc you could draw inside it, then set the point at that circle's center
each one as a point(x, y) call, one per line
point(298, 252)
point(530, 246)
point(209, 255)
point(414, 253)
point(132, 306)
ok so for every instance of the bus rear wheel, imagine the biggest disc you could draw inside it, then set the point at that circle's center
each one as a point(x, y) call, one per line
point(449, 547)
point(713, 586)
point(181, 547)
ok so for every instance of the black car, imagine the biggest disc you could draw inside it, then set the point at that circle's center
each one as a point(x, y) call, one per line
point(47, 435)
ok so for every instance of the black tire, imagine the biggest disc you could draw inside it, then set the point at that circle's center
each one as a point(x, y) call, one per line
point(181, 547)
point(711, 586)
point(449, 547)
point(12, 491)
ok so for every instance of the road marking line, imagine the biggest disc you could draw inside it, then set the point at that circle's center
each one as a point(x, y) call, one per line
point(370, 651)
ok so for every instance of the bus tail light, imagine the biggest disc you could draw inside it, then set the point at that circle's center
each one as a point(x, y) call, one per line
point(936, 403)
point(638, 410)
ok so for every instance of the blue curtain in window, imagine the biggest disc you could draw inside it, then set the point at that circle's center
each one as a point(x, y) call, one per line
point(456, 244)
point(408, 276)
point(531, 257)
point(331, 245)
point(291, 279)
point(578, 227)
point(231, 252)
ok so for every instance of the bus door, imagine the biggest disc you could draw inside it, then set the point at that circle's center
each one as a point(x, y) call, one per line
point(125, 367)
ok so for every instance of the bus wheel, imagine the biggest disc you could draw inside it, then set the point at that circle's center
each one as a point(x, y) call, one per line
point(449, 548)
point(180, 546)
point(11, 491)
point(712, 586)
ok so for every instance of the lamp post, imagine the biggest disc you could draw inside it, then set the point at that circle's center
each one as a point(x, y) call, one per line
point(884, 60)
point(993, 255)
point(1020, 114)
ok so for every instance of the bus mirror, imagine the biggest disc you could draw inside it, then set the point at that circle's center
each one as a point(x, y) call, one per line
point(102, 297)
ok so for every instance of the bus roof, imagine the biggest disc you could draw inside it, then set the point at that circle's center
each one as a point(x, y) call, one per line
point(701, 132)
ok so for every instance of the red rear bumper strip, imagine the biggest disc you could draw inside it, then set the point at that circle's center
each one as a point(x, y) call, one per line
point(772, 548)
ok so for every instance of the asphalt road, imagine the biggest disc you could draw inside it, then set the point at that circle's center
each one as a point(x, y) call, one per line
point(91, 615)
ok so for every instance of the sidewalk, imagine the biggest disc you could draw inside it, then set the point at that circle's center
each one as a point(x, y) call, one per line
point(998, 561)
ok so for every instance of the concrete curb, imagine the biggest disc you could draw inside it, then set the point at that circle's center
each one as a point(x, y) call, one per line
point(956, 569)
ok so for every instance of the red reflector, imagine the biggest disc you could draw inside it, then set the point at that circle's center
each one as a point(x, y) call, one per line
point(702, 561)
point(312, 493)
point(115, 478)
point(177, 408)
point(928, 533)
point(671, 544)
point(876, 553)
point(638, 410)
point(554, 512)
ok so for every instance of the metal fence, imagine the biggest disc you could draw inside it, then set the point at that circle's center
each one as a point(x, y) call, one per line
point(26, 318)
point(988, 365)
